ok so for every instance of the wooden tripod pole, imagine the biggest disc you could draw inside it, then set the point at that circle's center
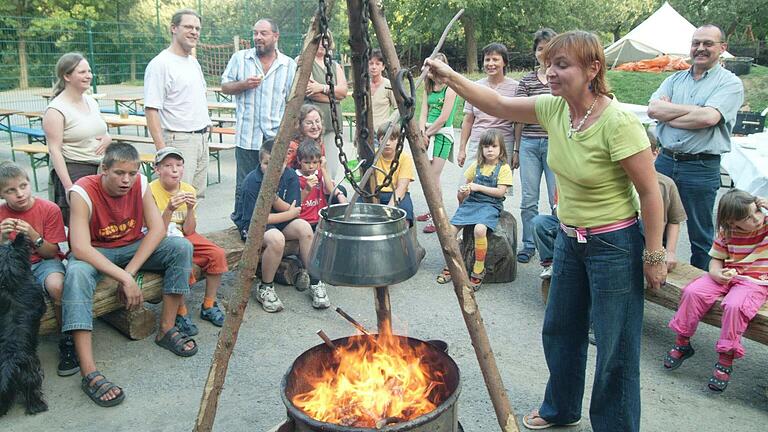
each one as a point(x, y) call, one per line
point(466, 296)
point(252, 252)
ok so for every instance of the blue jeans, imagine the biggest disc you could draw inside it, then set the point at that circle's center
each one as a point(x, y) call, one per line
point(698, 183)
point(603, 276)
point(173, 256)
point(246, 161)
point(545, 228)
point(533, 163)
point(405, 204)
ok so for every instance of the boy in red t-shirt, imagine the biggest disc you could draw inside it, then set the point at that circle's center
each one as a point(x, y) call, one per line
point(314, 181)
point(107, 238)
point(41, 221)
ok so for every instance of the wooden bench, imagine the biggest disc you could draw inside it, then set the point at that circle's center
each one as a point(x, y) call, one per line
point(214, 150)
point(141, 323)
point(669, 297)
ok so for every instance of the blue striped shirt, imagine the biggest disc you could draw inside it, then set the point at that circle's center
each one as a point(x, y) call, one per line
point(259, 110)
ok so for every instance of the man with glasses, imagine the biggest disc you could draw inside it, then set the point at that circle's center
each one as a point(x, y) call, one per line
point(260, 79)
point(696, 110)
point(175, 102)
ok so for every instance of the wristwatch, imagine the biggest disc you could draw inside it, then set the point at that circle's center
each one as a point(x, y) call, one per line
point(37, 244)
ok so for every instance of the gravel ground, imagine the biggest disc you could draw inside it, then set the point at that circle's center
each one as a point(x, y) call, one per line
point(163, 391)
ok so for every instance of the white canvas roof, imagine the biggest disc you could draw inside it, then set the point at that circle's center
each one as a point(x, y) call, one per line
point(664, 32)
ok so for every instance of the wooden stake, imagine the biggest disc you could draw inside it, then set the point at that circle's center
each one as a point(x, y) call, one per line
point(465, 294)
point(252, 253)
point(383, 310)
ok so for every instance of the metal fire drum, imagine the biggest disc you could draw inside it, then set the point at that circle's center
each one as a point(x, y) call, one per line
point(444, 418)
point(371, 248)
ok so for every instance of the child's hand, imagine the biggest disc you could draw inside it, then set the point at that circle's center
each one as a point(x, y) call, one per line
point(312, 181)
point(23, 227)
point(191, 200)
point(723, 276)
point(463, 191)
point(473, 187)
point(176, 201)
point(293, 210)
point(7, 226)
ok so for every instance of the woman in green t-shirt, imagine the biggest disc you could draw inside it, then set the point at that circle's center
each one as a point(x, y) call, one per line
point(602, 162)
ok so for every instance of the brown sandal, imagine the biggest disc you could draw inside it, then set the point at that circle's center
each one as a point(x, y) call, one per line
point(476, 279)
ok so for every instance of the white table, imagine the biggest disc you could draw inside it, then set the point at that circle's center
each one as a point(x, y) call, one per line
point(747, 163)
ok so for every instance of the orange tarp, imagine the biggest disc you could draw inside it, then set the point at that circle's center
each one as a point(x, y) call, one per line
point(664, 63)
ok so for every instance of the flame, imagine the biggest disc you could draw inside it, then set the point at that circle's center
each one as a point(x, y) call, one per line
point(373, 381)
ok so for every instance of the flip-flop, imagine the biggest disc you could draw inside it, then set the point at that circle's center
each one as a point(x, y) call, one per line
point(528, 420)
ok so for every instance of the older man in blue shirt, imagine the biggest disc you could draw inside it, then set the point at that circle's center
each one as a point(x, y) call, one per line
point(696, 110)
point(260, 79)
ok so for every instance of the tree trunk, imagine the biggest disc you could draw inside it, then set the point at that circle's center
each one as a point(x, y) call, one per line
point(470, 39)
point(23, 66)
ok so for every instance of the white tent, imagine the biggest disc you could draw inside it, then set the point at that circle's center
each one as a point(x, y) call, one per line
point(664, 32)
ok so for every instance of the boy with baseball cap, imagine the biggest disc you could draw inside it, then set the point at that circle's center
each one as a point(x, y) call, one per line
point(177, 201)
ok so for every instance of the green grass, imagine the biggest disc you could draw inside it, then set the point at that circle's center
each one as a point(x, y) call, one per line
point(629, 87)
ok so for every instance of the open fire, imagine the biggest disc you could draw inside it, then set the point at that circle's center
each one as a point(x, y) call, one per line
point(371, 381)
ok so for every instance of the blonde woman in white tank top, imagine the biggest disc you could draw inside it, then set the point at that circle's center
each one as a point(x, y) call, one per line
point(74, 130)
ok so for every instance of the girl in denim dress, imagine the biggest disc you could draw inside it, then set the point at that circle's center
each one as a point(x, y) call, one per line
point(482, 198)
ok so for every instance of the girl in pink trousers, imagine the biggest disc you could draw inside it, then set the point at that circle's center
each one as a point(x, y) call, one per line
point(739, 271)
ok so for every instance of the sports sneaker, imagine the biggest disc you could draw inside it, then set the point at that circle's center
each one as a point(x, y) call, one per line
point(319, 296)
point(424, 217)
point(265, 295)
point(302, 280)
point(68, 364)
point(185, 325)
point(546, 273)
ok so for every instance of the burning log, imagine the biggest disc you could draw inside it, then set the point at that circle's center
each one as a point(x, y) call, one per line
point(371, 382)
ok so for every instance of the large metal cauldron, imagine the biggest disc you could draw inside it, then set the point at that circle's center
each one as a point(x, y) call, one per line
point(444, 418)
point(371, 248)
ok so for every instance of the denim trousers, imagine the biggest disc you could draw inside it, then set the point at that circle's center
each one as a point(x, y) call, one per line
point(246, 161)
point(173, 257)
point(533, 163)
point(545, 228)
point(698, 183)
point(602, 277)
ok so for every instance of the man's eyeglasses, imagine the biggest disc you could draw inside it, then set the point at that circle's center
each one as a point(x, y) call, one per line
point(707, 44)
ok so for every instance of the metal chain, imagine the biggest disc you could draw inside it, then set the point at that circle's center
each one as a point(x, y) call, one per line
point(362, 124)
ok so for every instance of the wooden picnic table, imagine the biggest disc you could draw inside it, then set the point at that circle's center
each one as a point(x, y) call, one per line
point(48, 94)
point(130, 102)
point(5, 124)
point(114, 120)
point(220, 96)
point(221, 106)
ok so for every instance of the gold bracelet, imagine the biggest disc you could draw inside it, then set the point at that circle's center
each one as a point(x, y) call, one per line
point(654, 257)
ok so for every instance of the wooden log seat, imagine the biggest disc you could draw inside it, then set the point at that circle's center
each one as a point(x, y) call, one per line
point(140, 323)
point(501, 259)
point(669, 297)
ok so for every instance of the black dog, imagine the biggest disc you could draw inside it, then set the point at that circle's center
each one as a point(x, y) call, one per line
point(21, 306)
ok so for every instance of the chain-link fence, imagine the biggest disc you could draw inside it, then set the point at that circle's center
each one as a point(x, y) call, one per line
point(118, 52)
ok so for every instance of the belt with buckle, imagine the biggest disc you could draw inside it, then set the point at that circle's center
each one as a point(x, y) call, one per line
point(678, 156)
point(199, 131)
